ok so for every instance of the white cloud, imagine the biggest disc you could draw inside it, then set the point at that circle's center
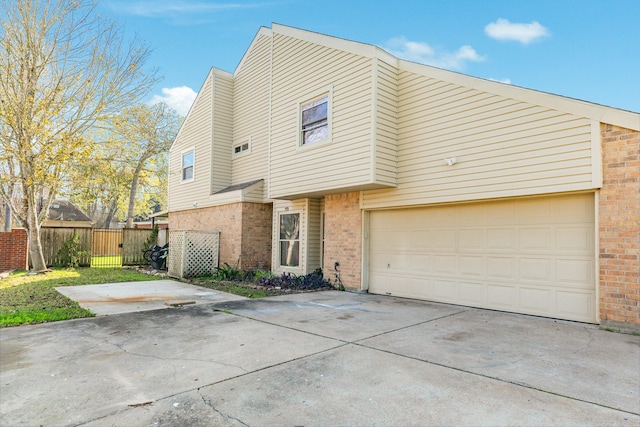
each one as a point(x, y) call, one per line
point(425, 54)
point(502, 29)
point(179, 98)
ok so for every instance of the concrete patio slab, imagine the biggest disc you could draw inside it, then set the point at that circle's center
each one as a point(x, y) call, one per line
point(127, 297)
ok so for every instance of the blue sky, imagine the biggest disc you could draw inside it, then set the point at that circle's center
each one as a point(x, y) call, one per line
point(583, 49)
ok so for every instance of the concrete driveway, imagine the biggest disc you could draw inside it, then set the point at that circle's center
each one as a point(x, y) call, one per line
point(328, 358)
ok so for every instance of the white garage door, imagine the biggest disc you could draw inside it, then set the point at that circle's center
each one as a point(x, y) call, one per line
point(533, 256)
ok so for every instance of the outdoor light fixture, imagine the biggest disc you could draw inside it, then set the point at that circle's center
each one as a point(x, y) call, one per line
point(450, 161)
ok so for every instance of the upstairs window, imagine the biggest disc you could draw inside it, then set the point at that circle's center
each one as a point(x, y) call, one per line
point(315, 116)
point(187, 165)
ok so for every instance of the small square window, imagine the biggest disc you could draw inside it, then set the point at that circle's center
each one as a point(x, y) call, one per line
point(242, 148)
point(187, 166)
point(315, 120)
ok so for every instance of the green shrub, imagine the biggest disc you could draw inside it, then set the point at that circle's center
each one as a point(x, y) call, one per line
point(70, 253)
point(152, 239)
point(260, 274)
point(226, 272)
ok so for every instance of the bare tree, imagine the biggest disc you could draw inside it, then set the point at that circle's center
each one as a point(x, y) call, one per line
point(62, 67)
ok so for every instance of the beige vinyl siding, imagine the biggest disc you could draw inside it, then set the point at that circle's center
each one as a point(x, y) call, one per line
point(196, 133)
point(386, 137)
point(301, 70)
point(251, 113)
point(314, 235)
point(503, 147)
point(222, 131)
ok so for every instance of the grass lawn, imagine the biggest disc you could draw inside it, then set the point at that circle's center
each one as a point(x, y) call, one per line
point(31, 298)
point(102, 261)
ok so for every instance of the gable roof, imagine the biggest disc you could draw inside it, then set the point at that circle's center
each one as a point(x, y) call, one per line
point(593, 111)
point(64, 210)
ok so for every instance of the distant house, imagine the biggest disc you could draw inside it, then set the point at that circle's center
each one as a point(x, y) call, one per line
point(413, 181)
point(63, 213)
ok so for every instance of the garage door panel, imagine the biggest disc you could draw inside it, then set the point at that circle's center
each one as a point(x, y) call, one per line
point(575, 305)
point(502, 268)
point(421, 263)
point(572, 209)
point(575, 272)
point(473, 293)
point(534, 211)
point(576, 240)
point(535, 269)
point(444, 239)
point(537, 301)
point(472, 266)
point(445, 290)
point(444, 264)
point(472, 240)
point(534, 256)
point(536, 239)
point(501, 214)
point(420, 239)
point(473, 215)
point(502, 297)
point(501, 239)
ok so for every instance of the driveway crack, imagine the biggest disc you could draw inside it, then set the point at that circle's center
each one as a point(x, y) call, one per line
point(226, 416)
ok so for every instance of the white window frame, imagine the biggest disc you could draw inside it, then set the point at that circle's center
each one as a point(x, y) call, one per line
point(183, 153)
point(245, 142)
point(328, 93)
point(299, 240)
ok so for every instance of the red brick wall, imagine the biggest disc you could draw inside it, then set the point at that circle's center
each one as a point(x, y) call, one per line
point(14, 249)
point(242, 228)
point(619, 226)
point(343, 238)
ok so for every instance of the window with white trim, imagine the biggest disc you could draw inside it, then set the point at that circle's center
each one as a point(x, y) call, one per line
point(289, 239)
point(188, 160)
point(315, 120)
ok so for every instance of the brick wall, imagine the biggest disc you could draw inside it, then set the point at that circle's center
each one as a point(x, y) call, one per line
point(242, 228)
point(256, 236)
point(14, 249)
point(226, 219)
point(343, 237)
point(619, 228)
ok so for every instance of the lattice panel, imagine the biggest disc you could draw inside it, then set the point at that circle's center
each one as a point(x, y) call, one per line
point(175, 257)
point(193, 253)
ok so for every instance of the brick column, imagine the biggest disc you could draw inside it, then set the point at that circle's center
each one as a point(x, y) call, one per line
point(619, 227)
point(343, 238)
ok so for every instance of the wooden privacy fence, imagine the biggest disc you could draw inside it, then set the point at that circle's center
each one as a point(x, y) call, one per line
point(103, 248)
point(54, 238)
point(133, 245)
